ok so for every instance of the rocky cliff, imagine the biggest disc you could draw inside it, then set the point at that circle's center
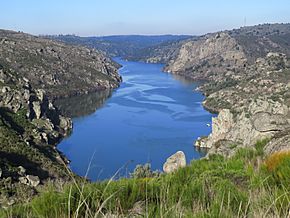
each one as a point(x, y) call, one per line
point(30, 128)
point(255, 108)
point(60, 69)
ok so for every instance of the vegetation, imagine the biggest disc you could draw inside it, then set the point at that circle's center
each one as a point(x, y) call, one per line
point(213, 187)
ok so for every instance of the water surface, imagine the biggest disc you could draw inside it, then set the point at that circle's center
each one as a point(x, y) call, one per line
point(151, 116)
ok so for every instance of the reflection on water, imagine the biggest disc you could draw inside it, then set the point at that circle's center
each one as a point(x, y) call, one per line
point(186, 80)
point(82, 105)
point(182, 79)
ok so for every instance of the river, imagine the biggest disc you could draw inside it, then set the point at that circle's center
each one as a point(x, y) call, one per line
point(148, 118)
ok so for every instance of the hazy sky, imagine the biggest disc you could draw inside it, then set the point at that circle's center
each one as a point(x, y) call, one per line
point(111, 17)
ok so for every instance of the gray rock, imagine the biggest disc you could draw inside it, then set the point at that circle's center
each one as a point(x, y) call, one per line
point(37, 109)
point(174, 162)
point(0, 172)
point(65, 123)
point(33, 180)
point(23, 180)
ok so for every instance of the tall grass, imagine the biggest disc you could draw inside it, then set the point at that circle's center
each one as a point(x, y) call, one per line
point(217, 187)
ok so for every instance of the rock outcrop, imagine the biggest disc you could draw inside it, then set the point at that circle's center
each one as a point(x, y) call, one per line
point(174, 162)
point(30, 128)
point(60, 69)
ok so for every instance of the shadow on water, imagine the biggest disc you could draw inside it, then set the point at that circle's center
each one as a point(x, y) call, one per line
point(82, 105)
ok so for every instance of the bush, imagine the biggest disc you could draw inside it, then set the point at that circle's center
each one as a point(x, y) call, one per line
point(278, 164)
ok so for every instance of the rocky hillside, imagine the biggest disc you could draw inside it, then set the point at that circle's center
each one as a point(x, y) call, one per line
point(30, 128)
point(212, 55)
point(259, 40)
point(60, 69)
point(252, 107)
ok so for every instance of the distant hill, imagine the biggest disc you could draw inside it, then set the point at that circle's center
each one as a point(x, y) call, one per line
point(125, 46)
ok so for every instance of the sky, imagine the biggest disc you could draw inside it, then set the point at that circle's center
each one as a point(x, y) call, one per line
point(148, 17)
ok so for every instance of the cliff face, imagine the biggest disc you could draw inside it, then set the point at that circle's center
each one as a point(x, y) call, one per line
point(214, 55)
point(30, 127)
point(209, 55)
point(62, 70)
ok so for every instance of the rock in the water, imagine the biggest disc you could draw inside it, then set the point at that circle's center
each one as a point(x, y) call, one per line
point(33, 180)
point(174, 162)
point(0, 172)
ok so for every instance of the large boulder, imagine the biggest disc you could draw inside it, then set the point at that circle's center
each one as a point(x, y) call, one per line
point(33, 180)
point(174, 162)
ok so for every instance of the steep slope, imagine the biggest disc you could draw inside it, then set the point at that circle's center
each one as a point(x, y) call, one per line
point(30, 128)
point(62, 70)
point(207, 56)
point(215, 54)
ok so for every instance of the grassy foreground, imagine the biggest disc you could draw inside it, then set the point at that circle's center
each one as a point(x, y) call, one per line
point(246, 185)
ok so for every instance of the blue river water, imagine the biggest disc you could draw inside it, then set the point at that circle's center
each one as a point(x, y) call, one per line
point(148, 118)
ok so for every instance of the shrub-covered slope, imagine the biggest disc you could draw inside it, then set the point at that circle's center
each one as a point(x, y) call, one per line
point(60, 69)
